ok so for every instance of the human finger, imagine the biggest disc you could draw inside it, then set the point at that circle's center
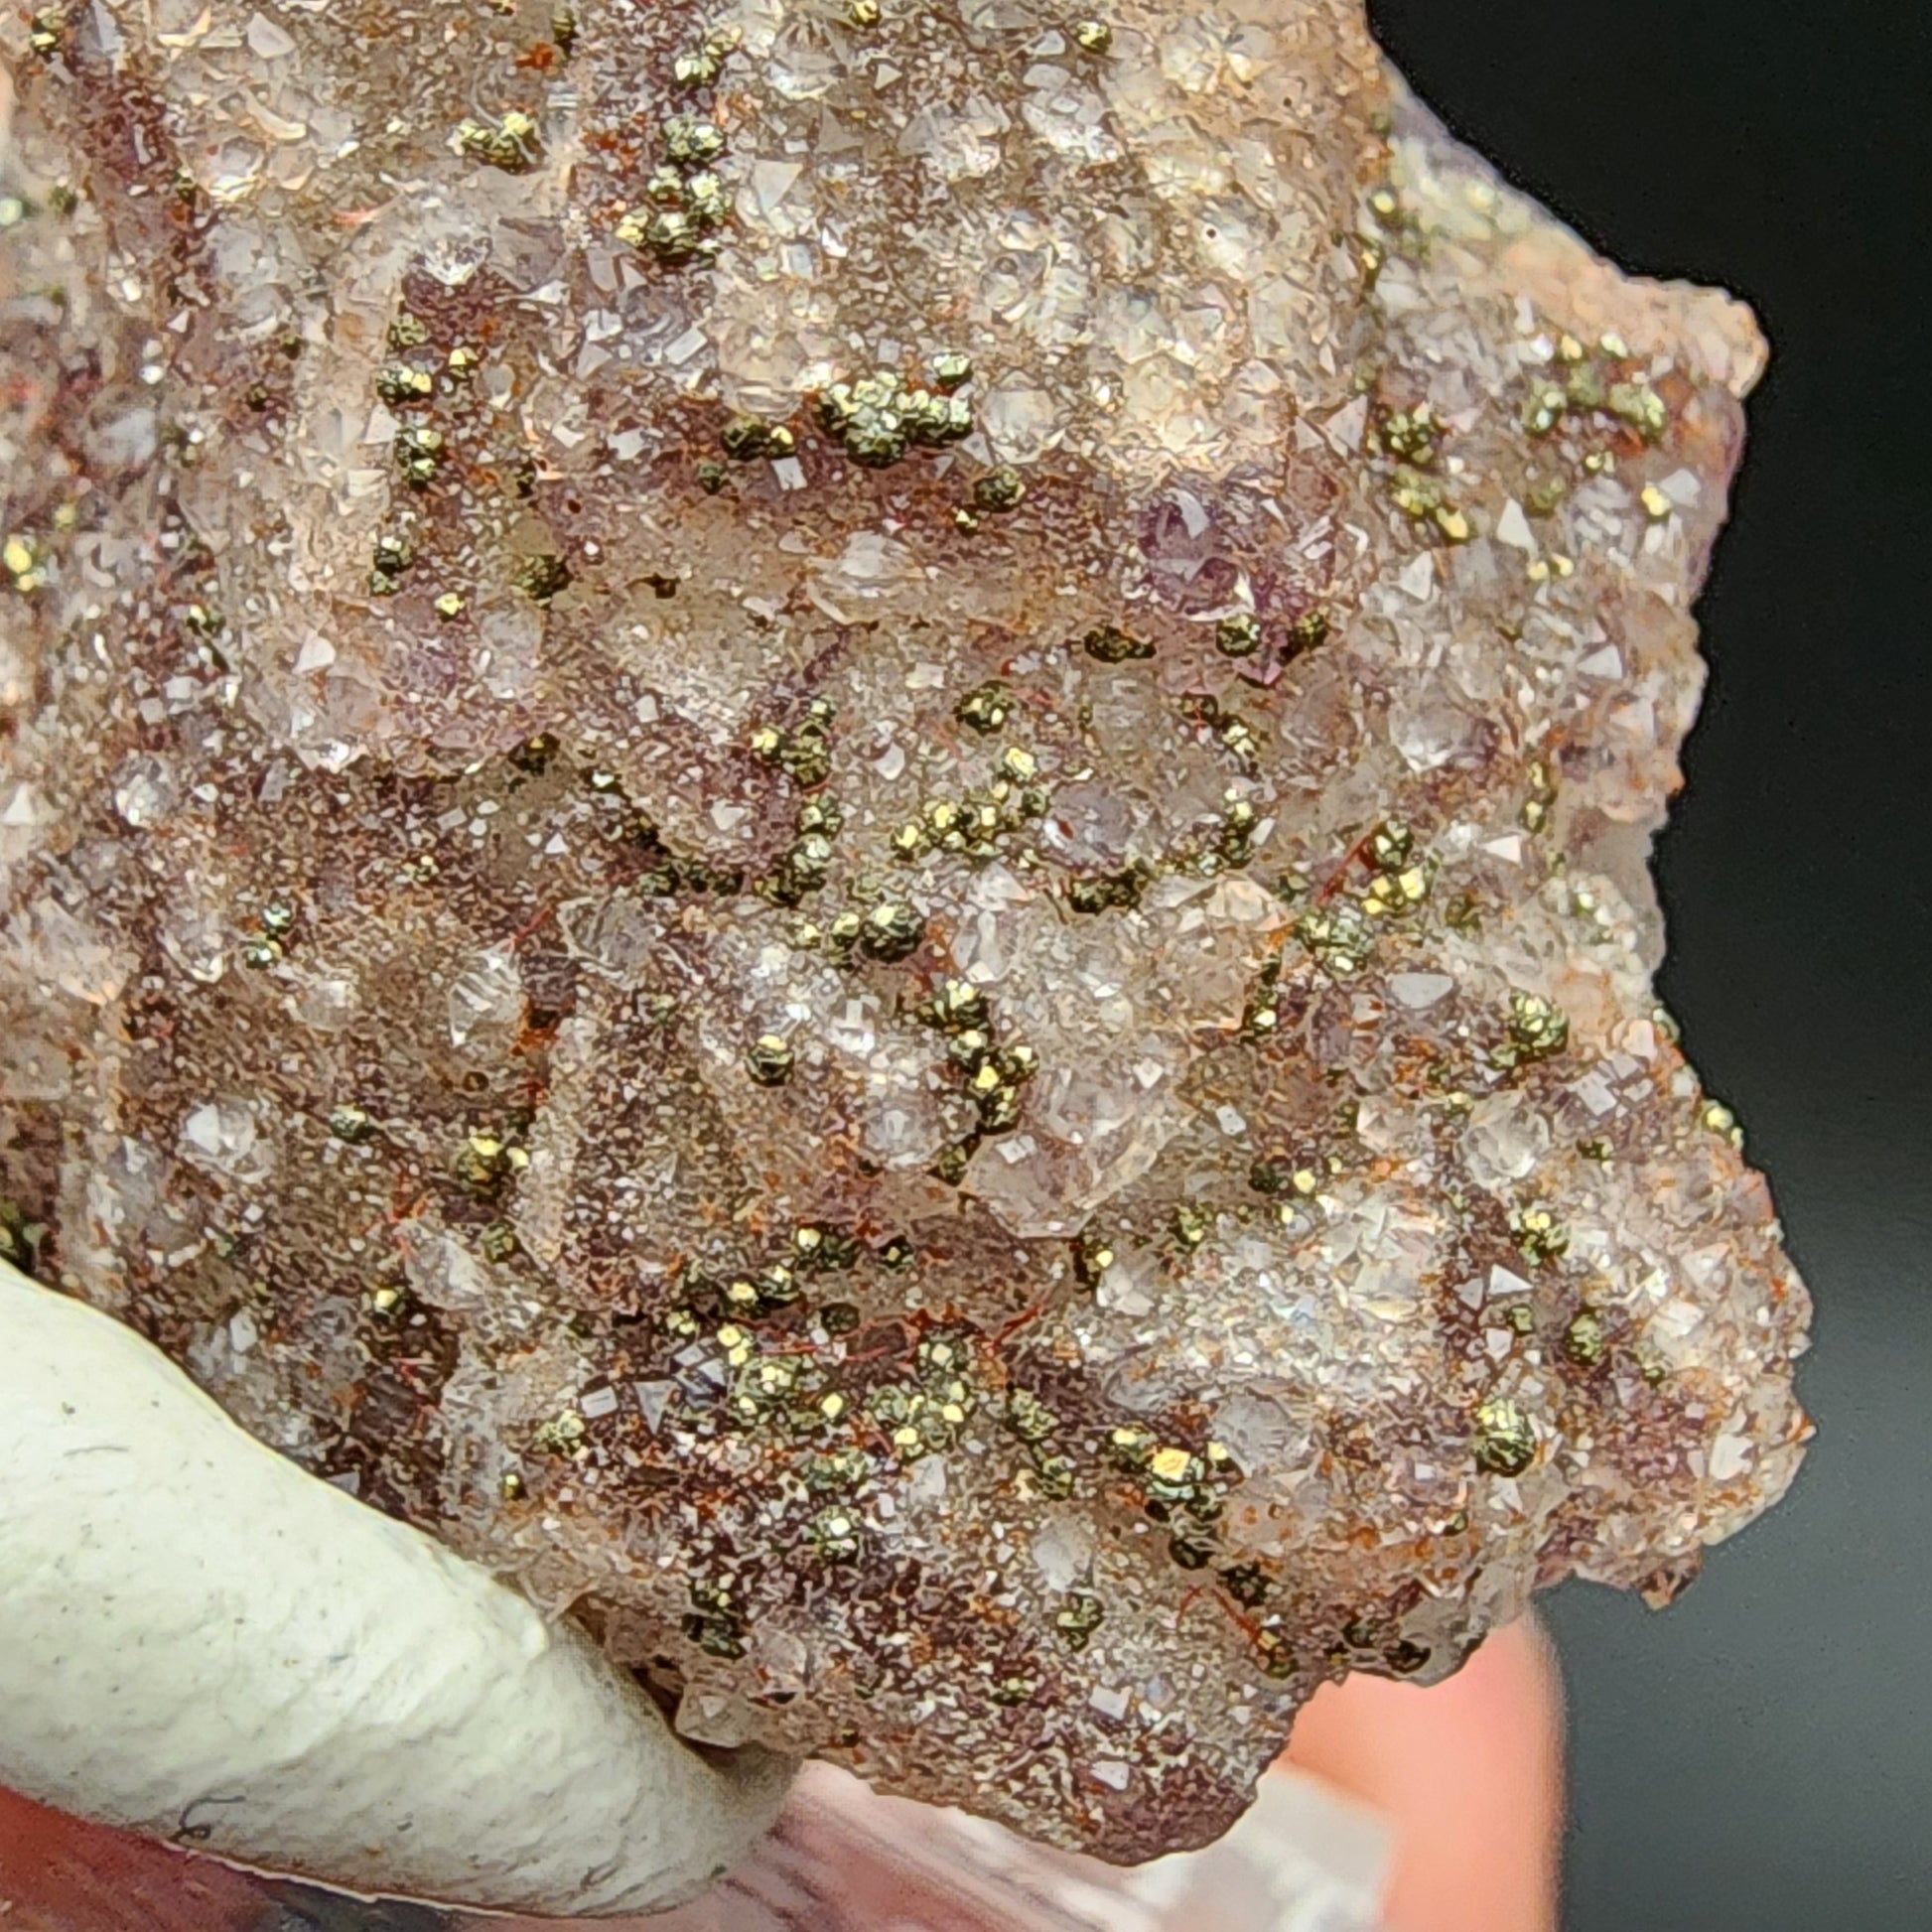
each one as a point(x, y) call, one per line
point(1469, 1773)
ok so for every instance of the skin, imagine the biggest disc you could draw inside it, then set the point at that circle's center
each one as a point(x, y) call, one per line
point(1468, 1772)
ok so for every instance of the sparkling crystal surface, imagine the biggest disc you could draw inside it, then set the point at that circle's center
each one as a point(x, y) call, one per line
point(833, 821)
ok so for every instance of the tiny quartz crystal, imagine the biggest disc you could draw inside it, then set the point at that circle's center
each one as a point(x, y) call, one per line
point(832, 819)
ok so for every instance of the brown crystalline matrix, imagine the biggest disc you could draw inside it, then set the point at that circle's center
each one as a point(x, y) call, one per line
point(831, 817)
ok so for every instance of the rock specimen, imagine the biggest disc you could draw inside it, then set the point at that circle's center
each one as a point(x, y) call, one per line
point(832, 817)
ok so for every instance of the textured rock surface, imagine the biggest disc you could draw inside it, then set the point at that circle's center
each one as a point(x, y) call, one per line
point(833, 818)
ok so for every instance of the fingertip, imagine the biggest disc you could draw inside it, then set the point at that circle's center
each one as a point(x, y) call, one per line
point(1470, 1774)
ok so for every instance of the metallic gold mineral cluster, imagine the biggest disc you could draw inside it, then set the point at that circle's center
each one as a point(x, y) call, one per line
point(832, 818)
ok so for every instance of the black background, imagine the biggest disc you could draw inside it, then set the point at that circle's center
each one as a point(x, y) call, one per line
point(1760, 1756)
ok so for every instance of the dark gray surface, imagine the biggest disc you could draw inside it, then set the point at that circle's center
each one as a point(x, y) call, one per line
point(305, 1909)
point(1759, 1758)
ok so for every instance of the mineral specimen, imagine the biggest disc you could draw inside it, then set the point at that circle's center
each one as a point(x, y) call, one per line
point(833, 819)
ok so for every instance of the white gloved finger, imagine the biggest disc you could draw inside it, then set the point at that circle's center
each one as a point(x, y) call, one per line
point(202, 1642)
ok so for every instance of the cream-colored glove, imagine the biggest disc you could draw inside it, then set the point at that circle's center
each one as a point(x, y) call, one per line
point(203, 1644)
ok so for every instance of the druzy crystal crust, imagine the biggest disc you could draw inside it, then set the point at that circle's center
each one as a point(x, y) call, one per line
point(832, 818)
